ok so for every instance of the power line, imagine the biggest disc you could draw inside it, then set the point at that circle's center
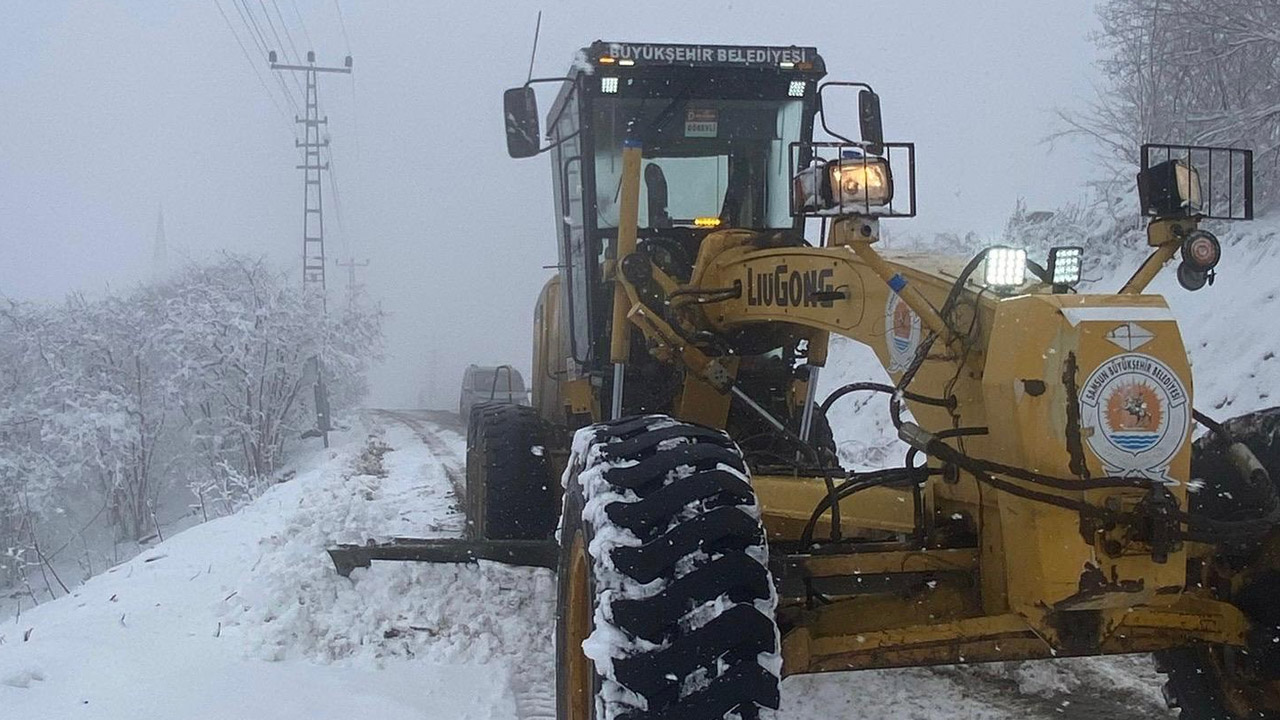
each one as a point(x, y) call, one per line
point(255, 32)
point(280, 44)
point(272, 26)
point(287, 36)
point(355, 117)
point(343, 24)
point(355, 102)
point(248, 17)
point(252, 64)
point(337, 198)
point(303, 24)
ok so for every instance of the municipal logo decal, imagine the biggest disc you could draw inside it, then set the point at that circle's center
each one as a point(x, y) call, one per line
point(1137, 409)
point(1130, 336)
point(902, 331)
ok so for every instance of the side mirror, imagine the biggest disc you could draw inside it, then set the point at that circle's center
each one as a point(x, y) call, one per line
point(520, 108)
point(869, 121)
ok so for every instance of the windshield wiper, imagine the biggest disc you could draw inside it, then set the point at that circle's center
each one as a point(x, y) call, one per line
point(678, 101)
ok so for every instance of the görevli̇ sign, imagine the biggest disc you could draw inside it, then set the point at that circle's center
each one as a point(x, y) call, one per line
point(710, 54)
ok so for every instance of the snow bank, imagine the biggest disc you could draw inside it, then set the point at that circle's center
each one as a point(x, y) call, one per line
point(244, 616)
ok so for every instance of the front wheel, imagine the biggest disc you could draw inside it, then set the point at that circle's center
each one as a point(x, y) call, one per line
point(666, 604)
point(1223, 683)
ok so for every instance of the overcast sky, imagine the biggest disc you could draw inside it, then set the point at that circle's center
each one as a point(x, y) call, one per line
point(111, 110)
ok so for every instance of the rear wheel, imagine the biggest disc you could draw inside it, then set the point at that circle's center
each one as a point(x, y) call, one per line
point(665, 601)
point(1223, 683)
point(510, 493)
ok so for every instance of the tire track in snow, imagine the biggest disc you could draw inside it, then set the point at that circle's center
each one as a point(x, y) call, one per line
point(532, 691)
point(431, 426)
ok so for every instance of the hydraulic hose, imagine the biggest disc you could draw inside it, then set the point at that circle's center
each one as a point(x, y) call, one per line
point(844, 390)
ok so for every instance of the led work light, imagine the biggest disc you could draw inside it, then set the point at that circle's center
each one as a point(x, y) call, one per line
point(1064, 265)
point(1006, 267)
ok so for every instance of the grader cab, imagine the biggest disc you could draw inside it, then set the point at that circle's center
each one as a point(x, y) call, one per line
point(709, 542)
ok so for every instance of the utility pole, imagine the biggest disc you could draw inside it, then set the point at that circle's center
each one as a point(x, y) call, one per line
point(313, 263)
point(351, 266)
point(313, 258)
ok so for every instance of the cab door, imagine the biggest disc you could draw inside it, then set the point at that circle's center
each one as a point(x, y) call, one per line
point(578, 263)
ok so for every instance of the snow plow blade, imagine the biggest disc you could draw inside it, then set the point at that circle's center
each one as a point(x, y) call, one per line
point(531, 553)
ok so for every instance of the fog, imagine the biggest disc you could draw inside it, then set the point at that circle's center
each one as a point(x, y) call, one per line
point(112, 112)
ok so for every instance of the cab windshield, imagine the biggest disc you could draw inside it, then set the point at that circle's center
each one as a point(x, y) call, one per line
point(723, 159)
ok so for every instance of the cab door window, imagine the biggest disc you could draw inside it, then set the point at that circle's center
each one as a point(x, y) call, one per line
point(570, 201)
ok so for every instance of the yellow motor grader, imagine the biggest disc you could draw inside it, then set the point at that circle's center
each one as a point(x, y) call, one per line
point(708, 541)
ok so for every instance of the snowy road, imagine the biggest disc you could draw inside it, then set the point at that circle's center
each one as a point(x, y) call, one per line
point(1085, 689)
point(244, 617)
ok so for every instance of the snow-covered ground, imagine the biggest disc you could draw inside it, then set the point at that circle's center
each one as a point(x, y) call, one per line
point(244, 617)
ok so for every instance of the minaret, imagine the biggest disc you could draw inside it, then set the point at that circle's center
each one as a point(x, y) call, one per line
point(159, 251)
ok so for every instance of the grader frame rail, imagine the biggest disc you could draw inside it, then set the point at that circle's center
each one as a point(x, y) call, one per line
point(1043, 508)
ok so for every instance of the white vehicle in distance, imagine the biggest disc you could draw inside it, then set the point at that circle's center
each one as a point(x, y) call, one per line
point(486, 383)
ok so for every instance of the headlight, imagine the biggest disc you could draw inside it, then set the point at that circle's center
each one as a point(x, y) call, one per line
point(848, 185)
point(1170, 189)
point(859, 182)
point(1006, 267)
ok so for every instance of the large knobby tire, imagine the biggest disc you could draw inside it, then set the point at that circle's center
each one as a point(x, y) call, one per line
point(1216, 683)
point(510, 492)
point(666, 604)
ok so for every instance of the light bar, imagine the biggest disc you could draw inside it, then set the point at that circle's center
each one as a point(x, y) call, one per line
point(706, 222)
point(796, 88)
point(609, 85)
point(1006, 267)
point(1064, 265)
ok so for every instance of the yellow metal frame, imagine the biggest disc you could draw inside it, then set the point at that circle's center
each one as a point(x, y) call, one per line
point(1020, 591)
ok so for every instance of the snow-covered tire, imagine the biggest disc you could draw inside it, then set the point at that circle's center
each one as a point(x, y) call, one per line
point(666, 605)
point(510, 493)
point(1197, 679)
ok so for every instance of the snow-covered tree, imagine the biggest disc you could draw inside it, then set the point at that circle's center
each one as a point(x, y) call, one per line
point(108, 405)
point(1199, 72)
